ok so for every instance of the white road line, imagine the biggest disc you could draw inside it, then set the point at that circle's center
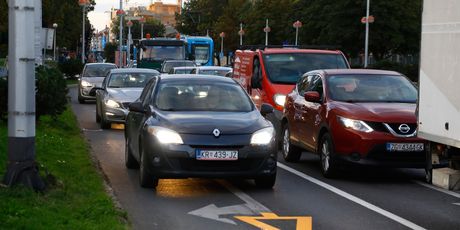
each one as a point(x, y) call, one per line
point(454, 194)
point(250, 202)
point(92, 130)
point(350, 197)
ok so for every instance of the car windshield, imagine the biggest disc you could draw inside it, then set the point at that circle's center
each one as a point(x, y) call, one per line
point(163, 52)
point(197, 96)
point(287, 68)
point(97, 70)
point(201, 53)
point(371, 88)
point(217, 72)
point(129, 80)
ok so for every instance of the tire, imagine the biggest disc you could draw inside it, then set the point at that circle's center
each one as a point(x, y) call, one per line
point(130, 161)
point(290, 152)
point(98, 116)
point(429, 176)
point(146, 180)
point(104, 124)
point(81, 100)
point(266, 182)
point(327, 161)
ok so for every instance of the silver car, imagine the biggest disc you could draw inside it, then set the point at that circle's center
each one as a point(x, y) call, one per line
point(92, 76)
point(212, 70)
point(118, 90)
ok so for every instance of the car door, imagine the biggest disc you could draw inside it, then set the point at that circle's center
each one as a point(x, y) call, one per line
point(136, 120)
point(312, 114)
point(298, 131)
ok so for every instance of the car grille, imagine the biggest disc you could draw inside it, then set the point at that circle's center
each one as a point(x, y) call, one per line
point(393, 128)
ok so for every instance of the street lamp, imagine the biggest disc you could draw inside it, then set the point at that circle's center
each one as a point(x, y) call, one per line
point(83, 4)
point(55, 25)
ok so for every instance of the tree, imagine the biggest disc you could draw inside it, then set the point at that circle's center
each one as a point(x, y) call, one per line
point(152, 26)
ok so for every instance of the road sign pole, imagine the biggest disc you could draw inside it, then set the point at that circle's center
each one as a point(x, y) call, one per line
point(266, 32)
point(366, 42)
point(22, 167)
point(120, 49)
point(241, 34)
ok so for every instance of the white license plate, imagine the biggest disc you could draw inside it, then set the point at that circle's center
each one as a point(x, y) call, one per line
point(229, 155)
point(405, 147)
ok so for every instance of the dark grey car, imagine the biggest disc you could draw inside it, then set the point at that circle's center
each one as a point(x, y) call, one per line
point(119, 88)
point(196, 126)
point(92, 76)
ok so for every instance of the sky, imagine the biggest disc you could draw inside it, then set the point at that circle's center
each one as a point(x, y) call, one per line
point(99, 18)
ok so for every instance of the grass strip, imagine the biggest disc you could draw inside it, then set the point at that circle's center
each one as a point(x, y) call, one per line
point(75, 200)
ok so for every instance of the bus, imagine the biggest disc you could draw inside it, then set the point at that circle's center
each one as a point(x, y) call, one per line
point(200, 49)
point(154, 51)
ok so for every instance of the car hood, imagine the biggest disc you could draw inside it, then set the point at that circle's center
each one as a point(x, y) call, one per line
point(228, 123)
point(124, 94)
point(378, 112)
point(97, 81)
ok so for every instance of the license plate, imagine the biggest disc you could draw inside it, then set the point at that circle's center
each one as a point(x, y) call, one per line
point(405, 147)
point(213, 155)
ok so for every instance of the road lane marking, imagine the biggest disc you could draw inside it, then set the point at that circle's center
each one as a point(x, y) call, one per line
point(454, 194)
point(302, 222)
point(250, 207)
point(91, 130)
point(350, 197)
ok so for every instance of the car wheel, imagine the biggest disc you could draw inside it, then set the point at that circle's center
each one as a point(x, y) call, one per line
point(290, 152)
point(130, 161)
point(81, 100)
point(104, 124)
point(266, 182)
point(98, 115)
point(328, 164)
point(428, 176)
point(146, 180)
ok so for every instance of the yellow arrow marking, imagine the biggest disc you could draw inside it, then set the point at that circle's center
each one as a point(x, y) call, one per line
point(303, 222)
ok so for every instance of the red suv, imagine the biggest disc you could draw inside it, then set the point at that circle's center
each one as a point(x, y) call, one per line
point(353, 116)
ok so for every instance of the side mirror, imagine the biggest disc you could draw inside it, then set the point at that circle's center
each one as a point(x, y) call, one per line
point(94, 90)
point(312, 96)
point(136, 107)
point(266, 109)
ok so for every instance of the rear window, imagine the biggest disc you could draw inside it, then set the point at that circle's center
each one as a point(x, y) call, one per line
point(288, 68)
point(97, 70)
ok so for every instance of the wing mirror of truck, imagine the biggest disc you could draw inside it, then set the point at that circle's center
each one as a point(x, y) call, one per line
point(266, 109)
point(312, 96)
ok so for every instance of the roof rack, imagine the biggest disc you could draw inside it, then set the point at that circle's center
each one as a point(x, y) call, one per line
point(263, 47)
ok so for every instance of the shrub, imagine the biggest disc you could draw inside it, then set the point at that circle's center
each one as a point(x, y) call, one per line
point(71, 67)
point(51, 92)
point(410, 70)
point(3, 98)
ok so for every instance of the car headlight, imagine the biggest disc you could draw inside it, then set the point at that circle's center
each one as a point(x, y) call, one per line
point(263, 136)
point(355, 124)
point(279, 99)
point(111, 103)
point(86, 84)
point(165, 135)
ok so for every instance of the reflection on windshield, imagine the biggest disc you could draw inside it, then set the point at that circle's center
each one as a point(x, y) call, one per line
point(371, 88)
point(287, 68)
point(195, 96)
point(214, 72)
point(97, 70)
point(164, 52)
point(129, 80)
point(201, 54)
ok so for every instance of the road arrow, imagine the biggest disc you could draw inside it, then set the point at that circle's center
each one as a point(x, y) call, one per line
point(213, 212)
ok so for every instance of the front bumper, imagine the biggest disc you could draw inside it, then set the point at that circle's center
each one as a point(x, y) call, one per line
point(179, 161)
point(84, 92)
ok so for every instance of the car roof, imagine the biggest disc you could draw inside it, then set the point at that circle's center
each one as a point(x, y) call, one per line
point(178, 61)
point(184, 67)
point(99, 63)
point(357, 71)
point(133, 70)
point(195, 77)
point(296, 50)
point(214, 67)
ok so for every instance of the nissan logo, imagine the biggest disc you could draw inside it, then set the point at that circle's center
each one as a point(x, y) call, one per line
point(404, 128)
point(216, 132)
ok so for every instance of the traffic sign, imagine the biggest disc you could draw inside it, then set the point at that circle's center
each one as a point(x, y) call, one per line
point(371, 19)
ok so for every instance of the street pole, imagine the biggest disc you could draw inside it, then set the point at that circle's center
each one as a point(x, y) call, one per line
point(142, 30)
point(55, 25)
point(120, 56)
point(266, 32)
point(241, 34)
point(366, 42)
point(128, 43)
point(22, 167)
point(83, 37)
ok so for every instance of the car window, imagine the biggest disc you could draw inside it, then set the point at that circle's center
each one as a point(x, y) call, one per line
point(371, 88)
point(97, 70)
point(146, 90)
point(196, 96)
point(304, 84)
point(317, 85)
point(129, 80)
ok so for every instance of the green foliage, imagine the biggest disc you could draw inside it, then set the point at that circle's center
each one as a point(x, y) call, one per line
point(410, 70)
point(152, 26)
point(71, 67)
point(76, 199)
point(109, 52)
point(3, 99)
point(51, 95)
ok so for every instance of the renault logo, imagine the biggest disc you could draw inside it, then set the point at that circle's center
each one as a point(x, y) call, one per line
point(216, 132)
point(404, 128)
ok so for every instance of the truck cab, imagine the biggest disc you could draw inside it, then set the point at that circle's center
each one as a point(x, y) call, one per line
point(269, 74)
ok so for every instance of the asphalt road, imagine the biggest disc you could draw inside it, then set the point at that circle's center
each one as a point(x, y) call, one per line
point(358, 199)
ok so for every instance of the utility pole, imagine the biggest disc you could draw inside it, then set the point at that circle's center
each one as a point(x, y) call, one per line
point(366, 42)
point(120, 13)
point(266, 30)
point(22, 167)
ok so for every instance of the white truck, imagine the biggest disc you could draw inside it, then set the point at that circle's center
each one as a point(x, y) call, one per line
point(439, 91)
